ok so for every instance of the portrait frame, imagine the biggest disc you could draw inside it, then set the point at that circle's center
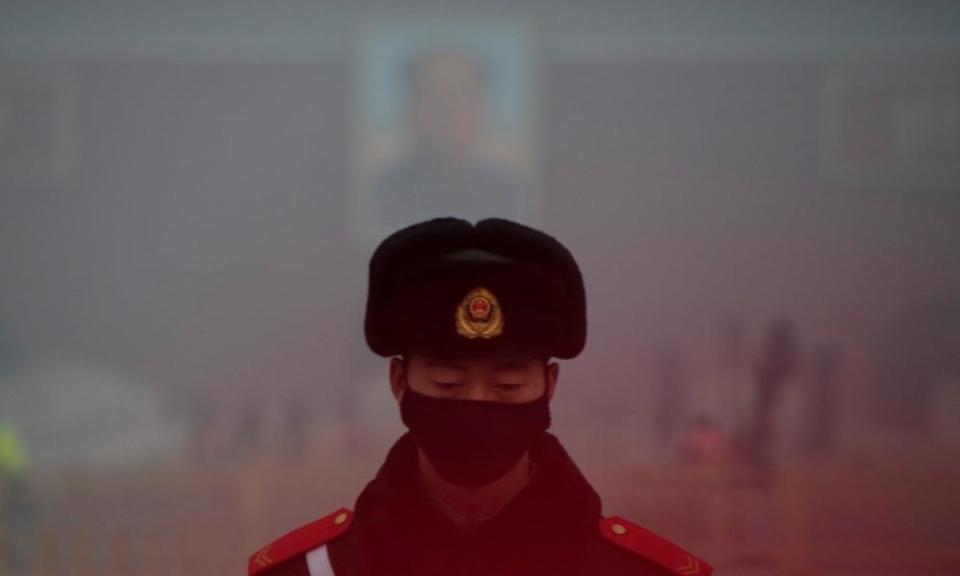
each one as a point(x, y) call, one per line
point(381, 134)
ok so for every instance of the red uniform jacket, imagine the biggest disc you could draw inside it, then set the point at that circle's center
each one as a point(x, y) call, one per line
point(553, 526)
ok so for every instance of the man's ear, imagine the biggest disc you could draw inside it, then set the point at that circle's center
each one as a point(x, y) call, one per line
point(398, 377)
point(552, 371)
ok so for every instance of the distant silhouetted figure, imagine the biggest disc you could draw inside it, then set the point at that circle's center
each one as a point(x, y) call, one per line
point(248, 435)
point(671, 384)
point(731, 377)
point(17, 504)
point(296, 420)
point(777, 363)
point(918, 351)
point(820, 414)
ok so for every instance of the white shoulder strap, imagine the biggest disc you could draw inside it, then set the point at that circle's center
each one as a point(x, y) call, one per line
point(318, 562)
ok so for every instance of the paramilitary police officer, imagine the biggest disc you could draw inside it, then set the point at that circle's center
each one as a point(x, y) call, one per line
point(470, 317)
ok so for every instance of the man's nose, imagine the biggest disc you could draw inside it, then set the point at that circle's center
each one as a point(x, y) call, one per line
point(479, 392)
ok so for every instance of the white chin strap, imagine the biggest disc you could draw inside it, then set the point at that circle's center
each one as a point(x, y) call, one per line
point(318, 562)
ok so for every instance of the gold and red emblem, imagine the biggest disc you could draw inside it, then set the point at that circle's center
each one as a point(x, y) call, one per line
point(479, 315)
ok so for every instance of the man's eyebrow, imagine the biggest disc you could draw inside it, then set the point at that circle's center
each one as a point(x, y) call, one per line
point(445, 364)
point(511, 365)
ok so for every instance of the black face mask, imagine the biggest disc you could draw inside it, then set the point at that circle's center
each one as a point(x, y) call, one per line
point(471, 442)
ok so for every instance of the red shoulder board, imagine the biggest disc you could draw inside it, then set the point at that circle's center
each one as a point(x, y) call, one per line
point(647, 544)
point(299, 541)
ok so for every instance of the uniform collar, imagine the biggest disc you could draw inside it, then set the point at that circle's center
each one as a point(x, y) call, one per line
point(395, 515)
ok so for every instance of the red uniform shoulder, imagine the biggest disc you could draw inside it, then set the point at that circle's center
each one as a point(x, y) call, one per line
point(647, 544)
point(299, 541)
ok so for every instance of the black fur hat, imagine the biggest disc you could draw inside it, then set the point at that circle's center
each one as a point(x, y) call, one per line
point(446, 287)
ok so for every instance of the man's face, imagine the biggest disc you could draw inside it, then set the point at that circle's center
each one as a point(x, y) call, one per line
point(499, 379)
point(447, 111)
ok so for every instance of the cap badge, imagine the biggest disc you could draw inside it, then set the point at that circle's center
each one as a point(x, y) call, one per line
point(479, 315)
